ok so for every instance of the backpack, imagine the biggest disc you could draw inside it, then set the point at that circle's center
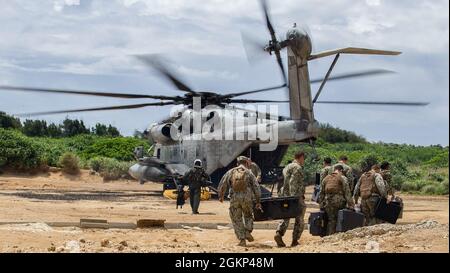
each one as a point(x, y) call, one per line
point(239, 179)
point(333, 184)
point(367, 186)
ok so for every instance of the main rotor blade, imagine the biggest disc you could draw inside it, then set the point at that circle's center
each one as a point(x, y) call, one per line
point(156, 62)
point(86, 93)
point(122, 107)
point(382, 103)
point(254, 91)
point(255, 101)
point(268, 22)
point(356, 75)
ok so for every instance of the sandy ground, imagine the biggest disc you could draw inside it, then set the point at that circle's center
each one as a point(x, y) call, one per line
point(27, 203)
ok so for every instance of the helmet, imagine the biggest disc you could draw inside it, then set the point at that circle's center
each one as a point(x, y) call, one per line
point(242, 158)
point(198, 163)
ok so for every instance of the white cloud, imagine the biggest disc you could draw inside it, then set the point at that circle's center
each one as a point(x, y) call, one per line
point(86, 42)
point(58, 5)
point(373, 2)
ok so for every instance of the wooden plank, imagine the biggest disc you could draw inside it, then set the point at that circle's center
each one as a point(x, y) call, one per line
point(150, 223)
point(94, 223)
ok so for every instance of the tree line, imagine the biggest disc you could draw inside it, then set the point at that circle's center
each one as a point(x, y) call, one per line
point(68, 128)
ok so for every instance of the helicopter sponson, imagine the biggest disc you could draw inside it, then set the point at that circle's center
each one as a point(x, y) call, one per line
point(156, 170)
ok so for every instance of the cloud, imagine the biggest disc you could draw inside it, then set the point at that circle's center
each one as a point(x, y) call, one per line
point(58, 5)
point(88, 44)
point(373, 2)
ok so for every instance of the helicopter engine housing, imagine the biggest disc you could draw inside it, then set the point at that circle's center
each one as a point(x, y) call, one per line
point(161, 133)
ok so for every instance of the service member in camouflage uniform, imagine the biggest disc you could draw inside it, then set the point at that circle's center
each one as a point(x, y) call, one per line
point(293, 186)
point(348, 171)
point(387, 177)
point(327, 169)
point(370, 188)
point(256, 171)
point(242, 185)
point(196, 178)
point(335, 195)
point(253, 167)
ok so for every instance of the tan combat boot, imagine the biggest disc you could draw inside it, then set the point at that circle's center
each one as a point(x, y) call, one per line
point(242, 243)
point(249, 237)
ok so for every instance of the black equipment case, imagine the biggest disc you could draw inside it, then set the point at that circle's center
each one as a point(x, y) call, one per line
point(277, 208)
point(388, 212)
point(315, 195)
point(348, 220)
point(318, 223)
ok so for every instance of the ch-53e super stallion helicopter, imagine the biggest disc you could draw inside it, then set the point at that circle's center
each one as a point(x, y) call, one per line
point(175, 150)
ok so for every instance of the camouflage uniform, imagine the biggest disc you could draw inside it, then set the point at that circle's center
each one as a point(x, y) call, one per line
point(325, 172)
point(256, 171)
point(332, 203)
point(387, 177)
point(294, 186)
point(195, 178)
point(348, 172)
point(368, 205)
point(241, 205)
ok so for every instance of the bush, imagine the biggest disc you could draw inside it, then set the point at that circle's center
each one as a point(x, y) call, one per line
point(331, 134)
point(397, 181)
point(110, 169)
point(436, 177)
point(19, 152)
point(409, 187)
point(430, 189)
point(96, 163)
point(440, 160)
point(118, 148)
point(7, 121)
point(70, 163)
point(367, 162)
point(443, 188)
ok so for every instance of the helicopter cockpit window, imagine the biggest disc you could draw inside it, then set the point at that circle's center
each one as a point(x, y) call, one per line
point(210, 116)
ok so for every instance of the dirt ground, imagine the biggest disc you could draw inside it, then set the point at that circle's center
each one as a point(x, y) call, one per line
point(31, 205)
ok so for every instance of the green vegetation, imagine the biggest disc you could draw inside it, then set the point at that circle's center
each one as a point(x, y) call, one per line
point(21, 153)
point(70, 163)
point(35, 145)
point(68, 128)
point(9, 121)
point(415, 169)
point(109, 168)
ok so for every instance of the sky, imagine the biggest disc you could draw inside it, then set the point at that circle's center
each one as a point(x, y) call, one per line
point(90, 44)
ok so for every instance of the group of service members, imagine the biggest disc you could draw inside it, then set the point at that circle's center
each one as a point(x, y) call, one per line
point(337, 192)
